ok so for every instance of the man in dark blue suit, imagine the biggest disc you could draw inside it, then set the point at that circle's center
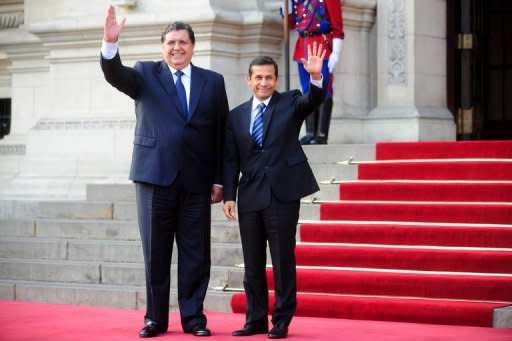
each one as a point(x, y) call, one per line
point(262, 144)
point(176, 166)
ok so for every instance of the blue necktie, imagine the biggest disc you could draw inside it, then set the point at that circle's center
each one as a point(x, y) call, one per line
point(180, 89)
point(257, 125)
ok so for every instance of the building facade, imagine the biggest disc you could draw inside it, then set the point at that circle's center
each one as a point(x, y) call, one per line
point(65, 120)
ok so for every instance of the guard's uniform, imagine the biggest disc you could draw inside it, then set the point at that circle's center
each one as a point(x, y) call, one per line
point(317, 21)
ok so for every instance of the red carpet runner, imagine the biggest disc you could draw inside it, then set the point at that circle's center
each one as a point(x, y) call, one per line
point(30, 321)
point(424, 235)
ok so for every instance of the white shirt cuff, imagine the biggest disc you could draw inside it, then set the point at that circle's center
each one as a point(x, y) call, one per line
point(318, 83)
point(109, 50)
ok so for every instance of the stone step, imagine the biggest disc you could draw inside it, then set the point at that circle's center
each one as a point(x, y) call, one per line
point(327, 192)
point(333, 153)
point(18, 209)
point(124, 194)
point(62, 209)
point(132, 274)
point(17, 228)
point(33, 248)
point(76, 209)
point(111, 192)
point(323, 160)
point(128, 211)
point(326, 172)
point(44, 188)
point(309, 211)
point(49, 270)
point(225, 232)
point(122, 251)
point(125, 296)
point(87, 229)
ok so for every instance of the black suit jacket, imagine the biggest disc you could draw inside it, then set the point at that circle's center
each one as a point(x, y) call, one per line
point(166, 144)
point(280, 166)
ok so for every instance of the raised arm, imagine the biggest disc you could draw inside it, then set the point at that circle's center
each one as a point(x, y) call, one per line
point(124, 78)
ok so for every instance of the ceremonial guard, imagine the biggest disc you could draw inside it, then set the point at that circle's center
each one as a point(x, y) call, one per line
point(317, 21)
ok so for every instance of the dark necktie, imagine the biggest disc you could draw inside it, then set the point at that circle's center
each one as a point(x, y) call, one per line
point(180, 89)
point(257, 126)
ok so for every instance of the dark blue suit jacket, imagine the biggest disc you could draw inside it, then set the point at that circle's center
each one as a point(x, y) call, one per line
point(279, 167)
point(166, 144)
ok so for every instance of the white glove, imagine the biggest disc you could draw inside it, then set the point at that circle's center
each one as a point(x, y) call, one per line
point(290, 8)
point(337, 45)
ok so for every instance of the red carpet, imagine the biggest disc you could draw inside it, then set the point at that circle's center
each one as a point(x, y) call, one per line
point(395, 309)
point(406, 233)
point(23, 321)
point(437, 249)
point(437, 170)
point(443, 150)
point(407, 258)
point(426, 191)
point(429, 285)
point(480, 213)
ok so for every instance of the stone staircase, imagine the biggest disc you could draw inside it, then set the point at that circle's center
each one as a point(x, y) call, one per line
point(87, 250)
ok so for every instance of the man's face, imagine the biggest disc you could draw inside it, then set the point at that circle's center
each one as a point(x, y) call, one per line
point(263, 81)
point(177, 49)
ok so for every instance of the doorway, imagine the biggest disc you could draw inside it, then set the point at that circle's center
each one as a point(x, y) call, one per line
point(480, 68)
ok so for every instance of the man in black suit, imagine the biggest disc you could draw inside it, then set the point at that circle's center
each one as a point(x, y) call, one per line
point(275, 176)
point(176, 166)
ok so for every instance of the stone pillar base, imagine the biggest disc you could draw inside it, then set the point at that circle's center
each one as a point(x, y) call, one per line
point(394, 124)
point(503, 317)
point(409, 124)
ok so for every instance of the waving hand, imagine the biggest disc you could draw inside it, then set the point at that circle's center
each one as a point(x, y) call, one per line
point(112, 29)
point(313, 65)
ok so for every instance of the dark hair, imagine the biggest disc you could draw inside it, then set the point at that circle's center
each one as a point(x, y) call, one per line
point(263, 60)
point(178, 26)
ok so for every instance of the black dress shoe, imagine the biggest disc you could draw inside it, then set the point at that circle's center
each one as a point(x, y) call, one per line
point(150, 330)
point(319, 140)
point(248, 330)
point(306, 139)
point(200, 331)
point(279, 331)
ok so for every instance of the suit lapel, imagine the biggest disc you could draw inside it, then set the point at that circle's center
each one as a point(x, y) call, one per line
point(245, 116)
point(167, 81)
point(197, 84)
point(267, 117)
point(244, 119)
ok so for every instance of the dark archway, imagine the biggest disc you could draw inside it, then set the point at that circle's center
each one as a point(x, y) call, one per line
point(480, 67)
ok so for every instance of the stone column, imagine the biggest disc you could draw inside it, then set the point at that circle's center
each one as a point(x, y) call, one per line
point(411, 73)
point(353, 84)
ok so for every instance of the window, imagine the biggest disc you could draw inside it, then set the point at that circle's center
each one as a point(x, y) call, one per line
point(5, 116)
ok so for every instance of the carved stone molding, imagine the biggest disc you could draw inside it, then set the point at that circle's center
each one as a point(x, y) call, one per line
point(10, 20)
point(11, 14)
point(124, 3)
point(12, 149)
point(84, 124)
point(359, 14)
point(397, 64)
